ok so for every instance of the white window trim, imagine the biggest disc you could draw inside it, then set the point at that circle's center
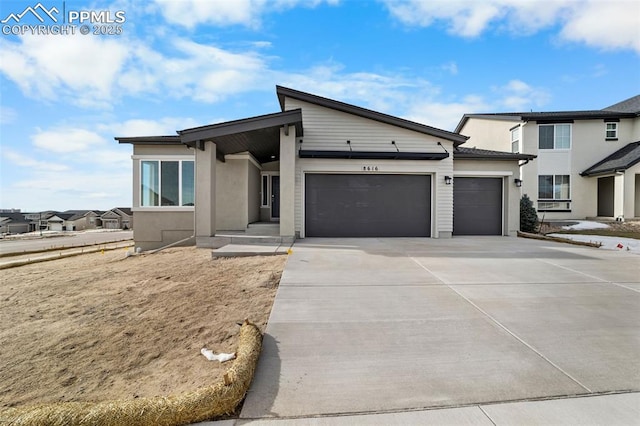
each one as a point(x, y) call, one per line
point(161, 158)
point(554, 137)
point(606, 130)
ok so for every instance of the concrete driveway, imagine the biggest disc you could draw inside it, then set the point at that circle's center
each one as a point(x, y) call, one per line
point(384, 325)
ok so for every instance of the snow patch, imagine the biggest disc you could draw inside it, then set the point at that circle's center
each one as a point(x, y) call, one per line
point(586, 224)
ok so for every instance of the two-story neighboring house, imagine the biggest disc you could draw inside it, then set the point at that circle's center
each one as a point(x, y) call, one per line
point(588, 162)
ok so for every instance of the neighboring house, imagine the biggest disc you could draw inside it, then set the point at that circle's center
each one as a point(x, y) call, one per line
point(82, 220)
point(117, 218)
point(58, 221)
point(38, 221)
point(320, 168)
point(13, 223)
point(588, 162)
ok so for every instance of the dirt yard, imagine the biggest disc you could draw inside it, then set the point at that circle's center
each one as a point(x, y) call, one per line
point(108, 326)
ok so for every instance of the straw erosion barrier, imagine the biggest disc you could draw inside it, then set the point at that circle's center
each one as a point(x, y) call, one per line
point(203, 404)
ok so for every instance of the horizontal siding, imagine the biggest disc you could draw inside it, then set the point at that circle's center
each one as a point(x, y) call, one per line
point(328, 129)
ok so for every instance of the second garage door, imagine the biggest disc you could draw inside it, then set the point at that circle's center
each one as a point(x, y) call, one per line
point(477, 206)
point(348, 205)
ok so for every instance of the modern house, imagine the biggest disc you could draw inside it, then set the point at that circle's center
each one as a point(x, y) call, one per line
point(319, 168)
point(588, 162)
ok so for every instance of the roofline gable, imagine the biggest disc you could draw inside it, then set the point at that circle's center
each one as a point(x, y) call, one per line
point(285, 92)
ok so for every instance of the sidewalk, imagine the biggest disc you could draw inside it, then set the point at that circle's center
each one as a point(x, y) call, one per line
point(617, 409)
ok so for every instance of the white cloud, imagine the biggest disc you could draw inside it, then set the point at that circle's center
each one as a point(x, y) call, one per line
point(190, 13)
point(32, 164)
point(67, 140)
point(608, 24)
point(450, 67)
point(445, 115)
point(385, 93)
point(147, 127)
point(7, 115)
point(517, 95)
point(83, 67)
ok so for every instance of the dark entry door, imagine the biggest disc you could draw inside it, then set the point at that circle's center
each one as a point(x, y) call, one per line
point(275, 196)
point(350, 205)
point(606, 193)
point(477, 206)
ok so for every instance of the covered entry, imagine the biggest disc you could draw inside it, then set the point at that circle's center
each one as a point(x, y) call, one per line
point(367, 205)
point(477, 206)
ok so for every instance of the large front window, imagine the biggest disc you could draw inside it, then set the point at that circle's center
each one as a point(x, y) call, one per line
point(554, 193)
point(167, 183)
point(554, 136)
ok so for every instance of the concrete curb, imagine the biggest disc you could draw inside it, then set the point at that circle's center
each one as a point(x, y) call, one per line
point(557, 239)
point(23, 262)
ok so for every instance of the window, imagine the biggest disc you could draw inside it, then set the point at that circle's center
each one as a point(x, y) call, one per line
point(265, 190)
point(554, 193)
point(167, 183)
point(515, 139)
point(554, 136)
point(611, 131)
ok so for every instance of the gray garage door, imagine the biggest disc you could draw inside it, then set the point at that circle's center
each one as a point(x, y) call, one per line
point(339, 205)
point(477, 206)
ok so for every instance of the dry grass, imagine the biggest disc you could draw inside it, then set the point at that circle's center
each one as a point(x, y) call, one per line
point(102, 326)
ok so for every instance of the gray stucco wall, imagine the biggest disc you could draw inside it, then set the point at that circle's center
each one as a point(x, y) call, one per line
point(231, 195)
point(254, 188)
point(157, 229)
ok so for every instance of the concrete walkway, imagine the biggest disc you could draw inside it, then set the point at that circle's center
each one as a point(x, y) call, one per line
point(395, 326)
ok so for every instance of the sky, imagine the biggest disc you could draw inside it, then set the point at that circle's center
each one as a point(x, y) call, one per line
point(154, 67)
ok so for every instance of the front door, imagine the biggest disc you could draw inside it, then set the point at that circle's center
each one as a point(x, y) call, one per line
point(275, 197)
point(606, 191)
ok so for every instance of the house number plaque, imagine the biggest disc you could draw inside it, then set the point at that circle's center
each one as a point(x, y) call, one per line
point(369, 168)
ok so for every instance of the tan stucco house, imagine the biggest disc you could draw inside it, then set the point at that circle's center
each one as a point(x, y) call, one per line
point(319, 168)
point(588, 162)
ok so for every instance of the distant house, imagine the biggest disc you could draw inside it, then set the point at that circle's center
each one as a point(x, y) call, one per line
point(588, 161)
point(117, 218)
point(83, 219)
point(58, 221)
point(13, 223)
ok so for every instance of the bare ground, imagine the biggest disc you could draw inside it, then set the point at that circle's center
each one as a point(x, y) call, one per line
point(629, 229)
point(104, 326)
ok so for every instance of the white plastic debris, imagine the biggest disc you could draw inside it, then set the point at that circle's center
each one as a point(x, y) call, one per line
point(222, 357)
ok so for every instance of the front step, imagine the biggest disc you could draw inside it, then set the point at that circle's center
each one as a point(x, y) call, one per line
point(221, 240)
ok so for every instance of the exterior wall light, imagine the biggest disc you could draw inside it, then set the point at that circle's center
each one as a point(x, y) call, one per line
point(448, 180)
point(518, 182)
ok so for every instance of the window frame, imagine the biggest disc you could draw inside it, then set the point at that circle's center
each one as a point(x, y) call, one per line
point(607, 130)
point(515, 131)
point(265, 196)
point(555, 198)
point(159, 159)
point(555, 136)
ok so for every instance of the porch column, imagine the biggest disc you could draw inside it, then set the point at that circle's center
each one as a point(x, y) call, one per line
point(205, 202)
point(618, 198)
point(287, 180)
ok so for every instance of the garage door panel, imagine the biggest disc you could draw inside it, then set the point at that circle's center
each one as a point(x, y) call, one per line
point(339, 205)
point(477, 206)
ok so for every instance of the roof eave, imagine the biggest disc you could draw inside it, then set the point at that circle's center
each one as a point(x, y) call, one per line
point(150, 140)
point(293, 117)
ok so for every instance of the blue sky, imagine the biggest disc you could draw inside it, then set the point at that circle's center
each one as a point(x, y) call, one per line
point(180, 64)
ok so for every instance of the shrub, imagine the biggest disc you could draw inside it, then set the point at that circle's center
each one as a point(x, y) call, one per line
point(528, 215)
